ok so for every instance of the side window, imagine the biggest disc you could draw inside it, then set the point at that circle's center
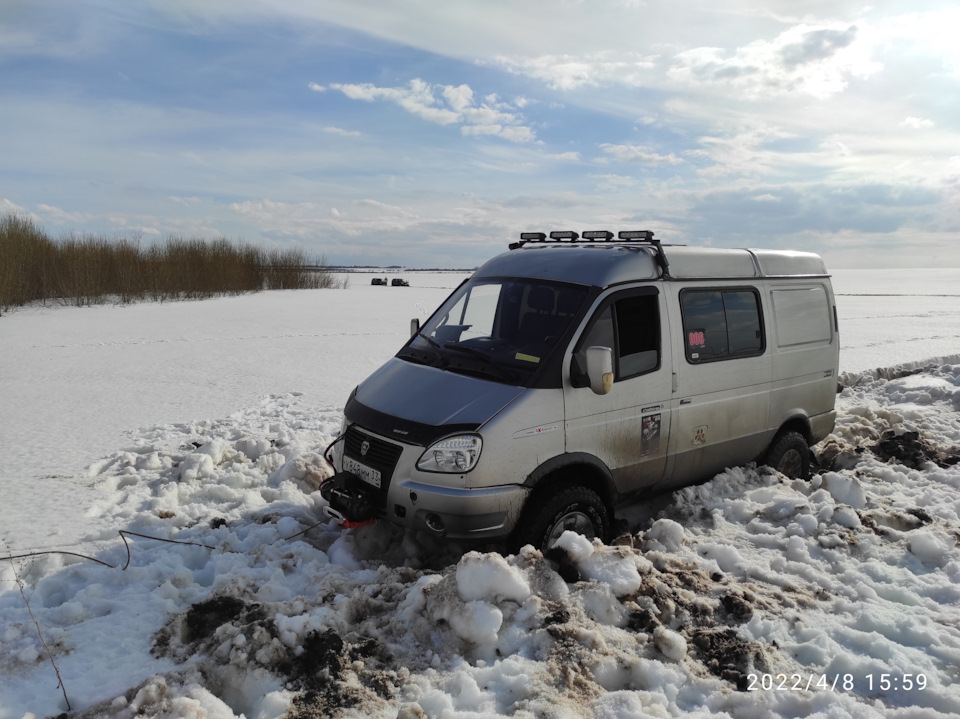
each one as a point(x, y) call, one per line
point(630, 326)
point(480, 310)
point(721, 324)
point(802, 316)
point(638, 335)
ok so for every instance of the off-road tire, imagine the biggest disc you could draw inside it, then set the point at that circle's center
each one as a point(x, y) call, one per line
point(575, 507)
point(789, 455)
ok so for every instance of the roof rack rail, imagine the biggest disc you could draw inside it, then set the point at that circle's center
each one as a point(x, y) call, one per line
point(591, 236)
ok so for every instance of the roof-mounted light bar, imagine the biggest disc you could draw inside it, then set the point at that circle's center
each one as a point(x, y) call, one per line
point(645, 236)
point(587, 236)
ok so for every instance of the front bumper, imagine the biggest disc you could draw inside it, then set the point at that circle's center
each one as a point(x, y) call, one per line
point(487, 513)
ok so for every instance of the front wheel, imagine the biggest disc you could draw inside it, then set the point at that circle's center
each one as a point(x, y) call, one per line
point(789, 455)
point(575, 508)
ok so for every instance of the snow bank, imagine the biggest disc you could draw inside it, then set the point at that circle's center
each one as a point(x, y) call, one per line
point(748, 595)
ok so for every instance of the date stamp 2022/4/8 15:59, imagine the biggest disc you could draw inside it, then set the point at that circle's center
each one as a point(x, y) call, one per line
point(838, 682)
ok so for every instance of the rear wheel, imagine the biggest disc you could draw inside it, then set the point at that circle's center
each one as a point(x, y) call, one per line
point(789, 455)
point(575, 508)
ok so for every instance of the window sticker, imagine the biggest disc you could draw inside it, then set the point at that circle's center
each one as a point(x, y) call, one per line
point(650, 433)
point(696, 338)
point(527, 358)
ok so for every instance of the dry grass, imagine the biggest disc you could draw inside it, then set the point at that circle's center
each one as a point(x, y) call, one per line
point(83, 270)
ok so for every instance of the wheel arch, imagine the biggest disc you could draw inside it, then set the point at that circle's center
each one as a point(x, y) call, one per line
point(574, 468)
point(798, 422)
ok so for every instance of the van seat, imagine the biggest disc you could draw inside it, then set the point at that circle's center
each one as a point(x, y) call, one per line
point(541, 323)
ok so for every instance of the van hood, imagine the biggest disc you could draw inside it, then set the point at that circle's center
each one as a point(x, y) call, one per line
point(409, 401)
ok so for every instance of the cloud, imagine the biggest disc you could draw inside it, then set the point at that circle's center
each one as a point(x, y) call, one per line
point(817, 45)
point(459, 98)
point(185, 201)
point(9, 208)
point(762, 213)
point(569, 72)
point(383, 208)
point(518, 133)
point(340, 131)
point(637, 153)
point(805, 59)
point(61, 217)
point(316, 88)
point(614, 182)
point(417, 99)
point(815, 59)
point(448, 105)
point(122, 223)
point(750, 146)
point(916, 123)
point(304, 220)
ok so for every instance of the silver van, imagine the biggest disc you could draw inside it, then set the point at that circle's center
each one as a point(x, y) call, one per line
point(574, 373)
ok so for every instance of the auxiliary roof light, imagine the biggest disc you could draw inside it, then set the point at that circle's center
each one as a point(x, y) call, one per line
point(635, 235)
point(598, 235)
point(561, 235)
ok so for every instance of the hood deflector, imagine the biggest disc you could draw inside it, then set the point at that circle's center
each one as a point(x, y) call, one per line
point(416, 404)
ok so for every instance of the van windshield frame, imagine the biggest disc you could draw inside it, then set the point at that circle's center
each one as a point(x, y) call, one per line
point(503, 329)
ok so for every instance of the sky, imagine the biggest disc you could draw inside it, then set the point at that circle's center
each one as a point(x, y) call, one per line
point(430, 134)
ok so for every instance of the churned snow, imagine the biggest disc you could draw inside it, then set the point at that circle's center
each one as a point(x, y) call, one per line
point(205, 423)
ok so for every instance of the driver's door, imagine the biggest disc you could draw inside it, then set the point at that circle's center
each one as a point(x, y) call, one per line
point(628, 427)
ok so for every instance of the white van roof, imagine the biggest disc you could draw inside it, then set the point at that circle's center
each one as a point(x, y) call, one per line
point(603, 264)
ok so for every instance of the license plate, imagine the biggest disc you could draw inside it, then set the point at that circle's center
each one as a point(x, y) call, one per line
point(367, 474)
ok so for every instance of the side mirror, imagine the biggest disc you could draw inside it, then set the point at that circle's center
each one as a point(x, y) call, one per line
point(600, 369)
point(414, 327)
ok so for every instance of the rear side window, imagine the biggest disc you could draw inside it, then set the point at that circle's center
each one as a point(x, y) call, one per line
point(721, 324)
point(802, 316)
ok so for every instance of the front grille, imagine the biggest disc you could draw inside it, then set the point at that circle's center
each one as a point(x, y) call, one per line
point(381, 455)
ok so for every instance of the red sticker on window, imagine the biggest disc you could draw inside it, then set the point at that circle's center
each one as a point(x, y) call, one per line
point(696, 339)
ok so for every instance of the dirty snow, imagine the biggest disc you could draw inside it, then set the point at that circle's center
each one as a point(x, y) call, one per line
point(205, 423)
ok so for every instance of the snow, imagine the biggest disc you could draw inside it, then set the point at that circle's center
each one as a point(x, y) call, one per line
point(205, 423)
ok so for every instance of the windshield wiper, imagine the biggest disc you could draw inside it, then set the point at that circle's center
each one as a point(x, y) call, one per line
point(436, 349)
point(500, 371)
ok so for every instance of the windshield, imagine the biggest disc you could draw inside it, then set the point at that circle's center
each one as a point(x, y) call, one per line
point(500, 329)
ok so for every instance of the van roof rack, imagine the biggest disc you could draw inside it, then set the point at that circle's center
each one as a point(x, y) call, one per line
point(594, 236)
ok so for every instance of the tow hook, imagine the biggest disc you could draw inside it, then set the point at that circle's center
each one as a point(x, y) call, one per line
point(343, 521)
point(334, 514)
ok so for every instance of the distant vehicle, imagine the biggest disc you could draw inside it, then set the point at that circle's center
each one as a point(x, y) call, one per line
point(400, 283)
point(378, 281)
point(569, 375)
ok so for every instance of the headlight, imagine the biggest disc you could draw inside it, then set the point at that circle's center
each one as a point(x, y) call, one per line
point(453, 454)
